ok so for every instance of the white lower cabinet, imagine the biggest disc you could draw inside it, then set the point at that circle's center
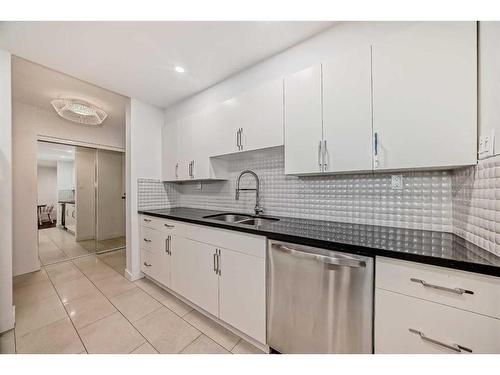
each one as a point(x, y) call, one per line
point(242, 293)
point(155, 255)
point(230, 284)
point(405, 324)
point(193, 274)
point(428, 309)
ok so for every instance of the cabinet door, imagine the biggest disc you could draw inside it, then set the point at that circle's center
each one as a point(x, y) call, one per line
point(424, 96)
point(169, 163)
point(221, 122)
point(347, 122)
point(303, 121)
point(242, 294)
point(193, 274)
point(260, 115)
point(163, 258)
point(184, 147)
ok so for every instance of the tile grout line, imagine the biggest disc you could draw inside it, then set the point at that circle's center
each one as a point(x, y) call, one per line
point(117, 309)
point(182, 317)
point(67, 315)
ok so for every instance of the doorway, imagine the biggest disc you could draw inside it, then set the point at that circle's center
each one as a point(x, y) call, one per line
point(81, 201)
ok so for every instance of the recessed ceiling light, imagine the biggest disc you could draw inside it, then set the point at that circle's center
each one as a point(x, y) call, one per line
point(179, 69)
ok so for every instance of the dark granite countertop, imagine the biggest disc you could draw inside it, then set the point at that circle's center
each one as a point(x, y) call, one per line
point(430, 247)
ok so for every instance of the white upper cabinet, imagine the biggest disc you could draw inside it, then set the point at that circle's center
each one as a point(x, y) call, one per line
point(259, 116)
point(250, 121)
point(424, 96)
point(303, 121)
point(347, 123)
point(170, 164)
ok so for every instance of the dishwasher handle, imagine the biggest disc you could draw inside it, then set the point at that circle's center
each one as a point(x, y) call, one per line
point(344, 261)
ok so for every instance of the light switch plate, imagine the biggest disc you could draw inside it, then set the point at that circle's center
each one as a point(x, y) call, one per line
point(397, 182)
point(487, 145)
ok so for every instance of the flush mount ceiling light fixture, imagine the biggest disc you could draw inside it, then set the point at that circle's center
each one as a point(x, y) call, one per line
point(79, 111)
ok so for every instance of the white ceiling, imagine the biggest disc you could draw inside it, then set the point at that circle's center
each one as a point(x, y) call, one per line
point(49, 153)
point(136, 59)
point(36, 85)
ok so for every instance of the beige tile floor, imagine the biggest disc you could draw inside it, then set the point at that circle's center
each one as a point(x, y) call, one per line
point(87, 306)
point(56, 244)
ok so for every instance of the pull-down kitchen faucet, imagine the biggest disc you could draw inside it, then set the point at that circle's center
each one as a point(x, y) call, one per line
point(258, 209)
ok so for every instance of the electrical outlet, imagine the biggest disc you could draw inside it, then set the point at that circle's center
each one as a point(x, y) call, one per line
point(397, 182)
point(487, 145)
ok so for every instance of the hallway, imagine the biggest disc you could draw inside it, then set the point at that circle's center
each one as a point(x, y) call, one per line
point(87, 306)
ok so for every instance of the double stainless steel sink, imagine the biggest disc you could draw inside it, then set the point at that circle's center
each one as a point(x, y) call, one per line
point(236, 218)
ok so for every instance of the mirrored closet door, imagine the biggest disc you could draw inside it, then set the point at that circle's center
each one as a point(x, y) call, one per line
point(81, 201)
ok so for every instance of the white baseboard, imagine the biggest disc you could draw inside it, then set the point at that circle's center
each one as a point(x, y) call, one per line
point(7, 322)
point(133, 277)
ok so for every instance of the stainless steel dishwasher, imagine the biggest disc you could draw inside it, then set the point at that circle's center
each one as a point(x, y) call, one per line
point(318, 301)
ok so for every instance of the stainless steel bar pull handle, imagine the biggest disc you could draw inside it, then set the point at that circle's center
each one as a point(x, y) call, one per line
point(147, 220)
point(147, 264)
point(169, 225)
point(345, 262)
point(192, 168)
point(325, 156)
point(455, 347)
point(176, 170)
point(443, 288)
point(320, 164)
point(241, 138)
point(166, 245)
point(215, 261)
point(147, 240)
point(218, 262)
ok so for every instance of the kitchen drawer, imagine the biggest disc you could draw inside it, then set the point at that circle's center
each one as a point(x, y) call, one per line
point(396, 314)
point(150, 222)
point(464, 290)
point(245, 243)
point(148, 263)
point(165, 225)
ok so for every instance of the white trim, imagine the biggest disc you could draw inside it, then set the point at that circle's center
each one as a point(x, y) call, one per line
point(131, 277)
point(78, 143)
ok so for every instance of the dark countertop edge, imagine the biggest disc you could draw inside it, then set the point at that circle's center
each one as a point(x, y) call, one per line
point(339, 246)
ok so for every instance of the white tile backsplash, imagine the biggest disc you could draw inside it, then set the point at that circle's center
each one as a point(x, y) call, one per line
point(465, 201)
point(476, 204)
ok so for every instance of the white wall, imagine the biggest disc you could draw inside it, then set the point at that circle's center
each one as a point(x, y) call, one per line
point(6, 309)
point(30, 123)
point(143, 160)
point(47, 186)
point(489, 80)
